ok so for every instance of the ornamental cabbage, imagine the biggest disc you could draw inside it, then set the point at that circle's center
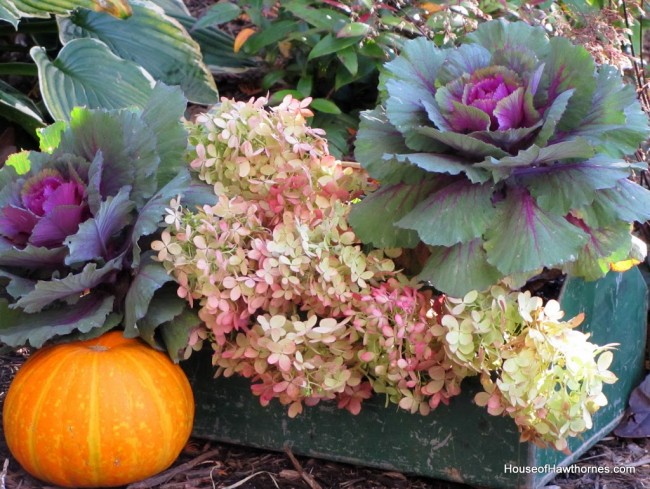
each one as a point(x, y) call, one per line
point(73, 218)
point(503, 156)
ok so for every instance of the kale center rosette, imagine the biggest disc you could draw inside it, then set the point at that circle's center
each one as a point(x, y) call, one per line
point(502, 156)
point(50, 207)
point(75, 216)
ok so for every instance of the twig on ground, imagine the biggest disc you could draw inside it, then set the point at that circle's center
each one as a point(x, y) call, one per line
point(3, 474)
point(311, 482)
point(169, 474)
point(244, 481)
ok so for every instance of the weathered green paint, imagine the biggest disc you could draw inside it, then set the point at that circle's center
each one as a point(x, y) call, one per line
point(459, 442)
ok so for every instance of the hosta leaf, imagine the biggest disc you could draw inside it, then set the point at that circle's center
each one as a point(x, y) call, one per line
point(73, 286)
point(30, 257)
point(150, 277)
point(128, 148)
point(18, 108)
point(459, 269)
point(118, 8)
point(374, 218)
point(523, 237)
point(217, 46)
point(18, 328)
point(164, 307)
point(377, 139)
point(605, 245)
point(176, 333)
point(91, 242)
point(561, 188)
point(86, 73)
point(456, 213)
point(629, 201)
point(9, 12)
point(162, 46)
point(163, 114)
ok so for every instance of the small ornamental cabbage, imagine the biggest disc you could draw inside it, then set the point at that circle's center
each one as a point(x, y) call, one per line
point(74, 216)
point(503, 156)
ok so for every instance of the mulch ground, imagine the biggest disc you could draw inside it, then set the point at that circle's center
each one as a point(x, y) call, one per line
point(212, 465)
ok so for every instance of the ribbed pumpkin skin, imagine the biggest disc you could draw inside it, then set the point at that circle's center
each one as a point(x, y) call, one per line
point(98, 413)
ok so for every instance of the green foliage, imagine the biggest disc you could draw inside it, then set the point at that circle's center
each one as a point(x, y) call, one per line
point(330, 52)
point(107, 55)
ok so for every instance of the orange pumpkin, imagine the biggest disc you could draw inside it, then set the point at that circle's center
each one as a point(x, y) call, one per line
point(98, 413)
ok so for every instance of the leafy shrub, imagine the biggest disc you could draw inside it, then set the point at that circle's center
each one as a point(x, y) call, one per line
point(108, 55)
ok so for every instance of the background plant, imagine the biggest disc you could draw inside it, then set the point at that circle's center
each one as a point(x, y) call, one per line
point(102, 55)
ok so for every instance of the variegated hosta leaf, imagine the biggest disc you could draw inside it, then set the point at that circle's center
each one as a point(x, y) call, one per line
point(162, 46)
point(18, 108)
point(43, 8)
point(85, 74)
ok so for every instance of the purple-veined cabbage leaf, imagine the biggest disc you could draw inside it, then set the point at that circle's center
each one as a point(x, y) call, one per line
point(75, 216)
point(504, 156)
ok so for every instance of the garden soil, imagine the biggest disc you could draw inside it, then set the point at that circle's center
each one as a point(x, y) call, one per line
point(209, 465)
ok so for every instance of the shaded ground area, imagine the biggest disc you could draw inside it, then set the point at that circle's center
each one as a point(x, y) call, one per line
point(211, 465)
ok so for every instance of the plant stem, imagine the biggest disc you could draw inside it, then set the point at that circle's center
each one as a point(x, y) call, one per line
point(20, 69)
